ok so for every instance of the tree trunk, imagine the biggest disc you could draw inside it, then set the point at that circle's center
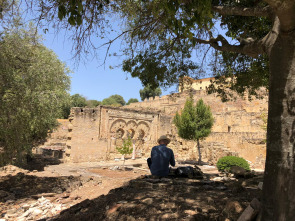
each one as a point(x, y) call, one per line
point(199, 150)
point(279, 179)
point(133, 151)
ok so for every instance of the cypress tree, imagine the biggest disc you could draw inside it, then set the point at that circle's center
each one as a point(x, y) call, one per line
point(194, 122)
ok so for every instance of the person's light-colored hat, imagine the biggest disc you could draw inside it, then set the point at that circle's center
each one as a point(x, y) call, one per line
point(164, 137)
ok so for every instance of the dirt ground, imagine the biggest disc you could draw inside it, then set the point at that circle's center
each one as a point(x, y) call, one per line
point(104, 191)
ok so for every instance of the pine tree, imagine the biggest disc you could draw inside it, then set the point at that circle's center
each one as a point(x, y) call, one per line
point(194, 122)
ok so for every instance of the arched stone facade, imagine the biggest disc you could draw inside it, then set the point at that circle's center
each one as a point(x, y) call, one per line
point(137, 129)
point(97, 132)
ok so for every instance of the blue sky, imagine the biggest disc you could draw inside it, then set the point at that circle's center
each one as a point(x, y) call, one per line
point(92, 79)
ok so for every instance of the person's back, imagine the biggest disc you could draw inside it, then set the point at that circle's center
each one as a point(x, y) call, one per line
point(161, 157)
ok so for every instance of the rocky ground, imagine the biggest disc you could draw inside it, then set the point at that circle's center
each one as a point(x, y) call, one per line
point(103, 191)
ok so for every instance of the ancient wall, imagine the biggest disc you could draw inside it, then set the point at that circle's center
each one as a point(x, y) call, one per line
point(56, 141)
point(237, 128)
point(94, 133)
point(83, 138)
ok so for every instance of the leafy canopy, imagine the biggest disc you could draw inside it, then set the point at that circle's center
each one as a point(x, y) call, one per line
point(148, 92)
point(132, 100)
point(77, 100)
point(114, 100)
point(92, 103)
point(165, 40)
point(33, 91)
point(194, 122)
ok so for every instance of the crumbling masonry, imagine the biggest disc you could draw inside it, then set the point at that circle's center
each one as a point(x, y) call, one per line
point(94, 133)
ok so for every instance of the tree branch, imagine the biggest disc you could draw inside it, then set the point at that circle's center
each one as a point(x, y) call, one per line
point(251, 48)
point(285, 11)
point(270, 38)
point(243, 11)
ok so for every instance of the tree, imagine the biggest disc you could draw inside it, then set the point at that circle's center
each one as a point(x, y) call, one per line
point(114, 100)
point(77, 100)
point(33, 90)
point(148, 92)
point(126, 148)
point(66, 107)
point(119, 99)
point(194, 122)
point(92, 103)
point(261, 31)
point(132, 100)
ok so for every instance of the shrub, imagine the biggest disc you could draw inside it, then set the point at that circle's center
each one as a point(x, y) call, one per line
point(126, 148)
point(225, 163)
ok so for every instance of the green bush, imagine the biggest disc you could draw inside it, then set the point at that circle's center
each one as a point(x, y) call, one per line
point(225, 163)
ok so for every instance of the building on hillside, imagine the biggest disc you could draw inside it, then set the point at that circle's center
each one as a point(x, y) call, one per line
point(187, 83)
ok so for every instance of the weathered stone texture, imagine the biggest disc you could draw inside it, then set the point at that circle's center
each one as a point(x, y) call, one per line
point(83, 138)
point(56, 142)
point(94, 133)
point(237, 128)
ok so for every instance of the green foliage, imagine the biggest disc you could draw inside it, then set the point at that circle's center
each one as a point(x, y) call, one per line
point(33, 91)
point(225, 163)
point(194, 122)
point(161, 37)
point(92, 103)
point(114, 100)
point(264, 117)
point(168, 31)
point(74, 11)
point(126, 148)
point(119, 99)
point(75, 100)
point(66, 107)
point(4, 7)
point(148, 92)
point(78, 100)
point(132, 100)
point(155, 68)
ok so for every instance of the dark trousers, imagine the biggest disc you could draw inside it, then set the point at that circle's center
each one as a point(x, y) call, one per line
point(149, 162)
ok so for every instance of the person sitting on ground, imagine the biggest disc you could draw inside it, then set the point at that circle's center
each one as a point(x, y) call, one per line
point(161, 156)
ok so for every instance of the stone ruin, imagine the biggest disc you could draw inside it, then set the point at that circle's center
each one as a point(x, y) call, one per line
point(92, 134)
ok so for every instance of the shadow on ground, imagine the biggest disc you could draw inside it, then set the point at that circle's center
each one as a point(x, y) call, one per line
point(168, 199)
point(39, 162)
point(25, 186)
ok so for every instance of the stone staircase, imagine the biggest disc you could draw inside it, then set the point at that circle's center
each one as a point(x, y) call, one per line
point(55, 144)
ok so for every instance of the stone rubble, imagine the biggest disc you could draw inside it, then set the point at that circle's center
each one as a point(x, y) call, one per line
point(35, 210)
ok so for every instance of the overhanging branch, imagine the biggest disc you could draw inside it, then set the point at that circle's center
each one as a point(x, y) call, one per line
point(251, 48)
point(243, 11)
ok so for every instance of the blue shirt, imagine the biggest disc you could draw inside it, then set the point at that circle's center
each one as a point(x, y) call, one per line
point(161, 156)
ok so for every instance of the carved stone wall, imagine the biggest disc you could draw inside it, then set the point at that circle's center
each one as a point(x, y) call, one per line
point(94, 133)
